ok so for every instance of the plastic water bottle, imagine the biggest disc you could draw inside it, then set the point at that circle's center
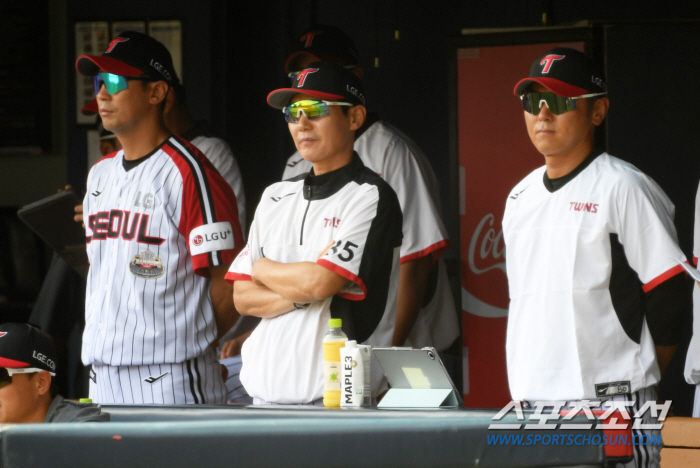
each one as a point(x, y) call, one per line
point(332, 342)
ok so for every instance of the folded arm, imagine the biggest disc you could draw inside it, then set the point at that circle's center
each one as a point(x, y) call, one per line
point(258, 300)
point(301, 282)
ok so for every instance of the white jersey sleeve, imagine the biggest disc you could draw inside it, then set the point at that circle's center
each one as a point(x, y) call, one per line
point(408, 172)
point(692, 360)
point(645, 227)
point(220, 155)
point(351, 243)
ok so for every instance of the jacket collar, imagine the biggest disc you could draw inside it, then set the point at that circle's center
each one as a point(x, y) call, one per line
point(328, 184)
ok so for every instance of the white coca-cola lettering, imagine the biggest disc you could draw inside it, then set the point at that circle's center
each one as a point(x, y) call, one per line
point(491, 246)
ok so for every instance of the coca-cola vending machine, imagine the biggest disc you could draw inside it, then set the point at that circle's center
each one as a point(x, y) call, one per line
point(494, 152)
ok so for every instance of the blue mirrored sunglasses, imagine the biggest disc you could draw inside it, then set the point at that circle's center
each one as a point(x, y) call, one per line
point(114, 83)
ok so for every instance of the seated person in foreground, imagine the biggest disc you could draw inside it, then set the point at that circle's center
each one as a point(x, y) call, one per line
point(322, 245)
point(27, 391)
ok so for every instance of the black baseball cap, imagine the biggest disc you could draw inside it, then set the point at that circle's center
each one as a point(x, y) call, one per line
point(566, 72)
point(326, 43)
point(324, 80)
point(22, 345)
point(131, 54)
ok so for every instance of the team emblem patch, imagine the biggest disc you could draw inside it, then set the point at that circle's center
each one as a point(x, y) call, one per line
point(146, 265)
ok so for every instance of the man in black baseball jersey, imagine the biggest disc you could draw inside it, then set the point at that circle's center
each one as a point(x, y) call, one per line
point(596, 294)
point(322, 245)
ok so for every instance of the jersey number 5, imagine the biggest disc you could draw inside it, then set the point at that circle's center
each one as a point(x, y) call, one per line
point(347, 248)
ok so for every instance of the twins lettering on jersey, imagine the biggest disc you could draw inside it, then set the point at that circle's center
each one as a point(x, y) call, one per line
point(589, 207)
point(331, 222)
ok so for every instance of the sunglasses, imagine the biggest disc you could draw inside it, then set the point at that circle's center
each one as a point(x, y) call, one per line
point(6, 374)
point(114, 83)
point(310, 109)
point(557, 105)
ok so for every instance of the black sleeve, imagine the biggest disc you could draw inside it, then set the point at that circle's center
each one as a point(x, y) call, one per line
point(666, 305)
point(361, 318)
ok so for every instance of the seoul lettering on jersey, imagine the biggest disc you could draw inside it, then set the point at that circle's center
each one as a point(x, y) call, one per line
point(115, 224)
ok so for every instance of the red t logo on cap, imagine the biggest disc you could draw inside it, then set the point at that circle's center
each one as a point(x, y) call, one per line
point(115, 42)
point(549, 60)
point(302, 75)
point(309, 37)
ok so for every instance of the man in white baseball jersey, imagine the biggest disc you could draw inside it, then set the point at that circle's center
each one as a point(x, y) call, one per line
point(426, 314)
point(161, 230)
point(323, 244)
point(593, 283)
point(692, 360)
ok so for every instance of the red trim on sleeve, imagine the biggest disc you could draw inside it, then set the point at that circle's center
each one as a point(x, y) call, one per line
point(222, 203)
point(337, 269)
point(352, 297)
point(662, 277)
point(436, 249)
point(231, 276)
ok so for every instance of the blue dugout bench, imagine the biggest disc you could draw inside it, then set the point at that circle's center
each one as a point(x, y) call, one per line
point(191, 436)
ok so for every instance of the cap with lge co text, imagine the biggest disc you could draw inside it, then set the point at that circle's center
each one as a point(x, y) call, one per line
point(131, 54)
point(323, 80)
point(566, 72)
point(22, 345)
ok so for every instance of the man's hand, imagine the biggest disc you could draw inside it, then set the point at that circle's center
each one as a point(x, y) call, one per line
point(664, 354)
point(233, 347)
point(258, 300)
point(78, 218)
